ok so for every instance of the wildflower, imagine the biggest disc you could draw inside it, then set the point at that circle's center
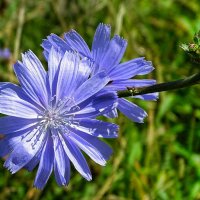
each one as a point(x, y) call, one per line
point(52, 117)
point(5, 53)
point(107, 54)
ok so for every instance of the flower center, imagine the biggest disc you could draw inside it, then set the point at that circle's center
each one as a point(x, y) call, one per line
point(59, 115)
point(52, 118)
point(57, 119)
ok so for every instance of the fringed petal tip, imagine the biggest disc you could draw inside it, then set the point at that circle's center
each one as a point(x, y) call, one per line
point(142, 119)
point(104, 25)
point(74, 41)
point(45, 43)
point(120, 40)
point(71, 31)
point(8, 168)
point(12, 168)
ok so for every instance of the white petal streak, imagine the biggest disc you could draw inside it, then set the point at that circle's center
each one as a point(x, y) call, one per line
point(76, 42)
point(97, 128)
point(38, 74)
point(91, 87)
point(89, 149)
point(12, 102)
point(76, 157)
point(11, 124)
point(61, 163)
point(67, 74)
point(53, 64)
point(114, 53)
point(46, 164)
point(31, 84)
point(25, 150)
point(100, 42)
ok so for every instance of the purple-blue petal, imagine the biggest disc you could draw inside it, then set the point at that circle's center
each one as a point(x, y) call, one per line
point(68, 71)
point(56, 42)
point(14, 102)
point(11, 124)
point(47, 45)
point(76, 157)
point(102, 147)
point(128, 83)
point(96, 105)
point(90, 87)
point(34, 161)
point(89, 146)
point(38, 75)
point(97, 128)
point(54, 59)
point(46, 164)
point(114, 53)
point(8, 143)
point(132, 111)
point(32, 85)
point(129, 69)
point(148, 97)
point(73, 76)
point(77, 43)
point(84, 71)
point(61, 163)
point(25, 150)
point(100, 42)
point(111, 114)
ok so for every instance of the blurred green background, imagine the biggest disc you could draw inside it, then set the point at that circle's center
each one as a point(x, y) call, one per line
point(159, 159)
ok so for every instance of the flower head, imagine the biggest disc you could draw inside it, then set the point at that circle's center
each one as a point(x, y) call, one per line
point(52, 117)
point(107, 53)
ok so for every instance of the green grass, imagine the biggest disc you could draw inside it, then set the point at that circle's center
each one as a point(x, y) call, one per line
point(156, 160)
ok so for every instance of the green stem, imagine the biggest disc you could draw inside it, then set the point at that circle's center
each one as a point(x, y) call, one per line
point(160, 87)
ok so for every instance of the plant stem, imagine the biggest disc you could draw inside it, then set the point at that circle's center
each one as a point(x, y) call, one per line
point(160, 87)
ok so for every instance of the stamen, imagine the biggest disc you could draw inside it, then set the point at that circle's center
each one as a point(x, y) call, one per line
point(57, 117)
point(34, 135)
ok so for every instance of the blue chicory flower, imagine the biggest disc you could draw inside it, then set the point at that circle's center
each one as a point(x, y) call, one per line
point(107, 53)
point(5, 53)
point(51, 117)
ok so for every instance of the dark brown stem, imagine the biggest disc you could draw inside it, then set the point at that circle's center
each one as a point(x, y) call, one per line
point(160, 87)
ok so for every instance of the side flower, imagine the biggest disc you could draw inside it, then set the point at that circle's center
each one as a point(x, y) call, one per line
point(5, 54)
point(107, 54)
point(51, 117)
